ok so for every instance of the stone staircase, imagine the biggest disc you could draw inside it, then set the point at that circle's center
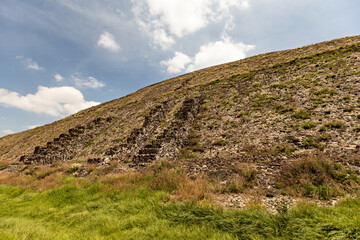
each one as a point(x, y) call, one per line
point(140, 136)
point(168, 143)
point(66, 146)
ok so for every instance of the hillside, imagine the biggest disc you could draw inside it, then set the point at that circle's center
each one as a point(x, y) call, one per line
point(247, 119)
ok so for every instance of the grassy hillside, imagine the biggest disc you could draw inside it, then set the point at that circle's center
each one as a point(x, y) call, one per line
point(311, 76)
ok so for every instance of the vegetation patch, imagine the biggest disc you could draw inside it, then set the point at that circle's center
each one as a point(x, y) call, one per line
point(281, 109)
point(245, 178)
point(357, 128)
point(334, 124)
point(311, 143)
point(221, 142)
point(325, 92)
point(301, 114)
point(317, 177)
point(308, 125)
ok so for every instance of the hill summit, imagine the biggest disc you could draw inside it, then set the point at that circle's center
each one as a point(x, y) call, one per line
point(260, 113)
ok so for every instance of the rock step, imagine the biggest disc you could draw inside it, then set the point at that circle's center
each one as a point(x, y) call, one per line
point(149, 151)
point(176, 133)
point(139, 136)
point(58, 149)
point(144, 158)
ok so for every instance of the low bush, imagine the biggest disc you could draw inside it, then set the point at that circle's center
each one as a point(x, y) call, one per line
point(317, 177)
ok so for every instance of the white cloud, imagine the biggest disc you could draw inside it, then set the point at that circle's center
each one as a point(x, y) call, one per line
point(108, 42)
point(8, 131)
point(86, 82)
point(161, 38)
point(177, 18)
point(180, 16)
point(225, 5)
point(219, 52)
point(32, 126)
point(57, 101)
point(177, 63)
point(58, 77)
point(210, 54)
point(29, 63)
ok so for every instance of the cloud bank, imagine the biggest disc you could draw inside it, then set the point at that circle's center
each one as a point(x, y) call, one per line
point(57, 101)
point(166, 20)
point(210, 54)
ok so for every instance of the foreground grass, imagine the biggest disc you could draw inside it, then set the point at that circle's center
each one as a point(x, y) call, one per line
point(97, 212)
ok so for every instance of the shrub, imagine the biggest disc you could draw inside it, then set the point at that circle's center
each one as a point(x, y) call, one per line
point(221, 142)
point(357, 128)
point(73, 168)
point(310, 143)
point(334, 124)
point(308, 125)
point(283, 109)
point(317, 177)
point(245, 179)
point(283, 149)
point(301, 114)
point(325, 91)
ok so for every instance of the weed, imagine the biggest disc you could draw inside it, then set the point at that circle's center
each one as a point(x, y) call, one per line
point(349, 109)
point(310, 143)
point(324, 138)
point(283, 149)
point(301, 114)
point(317, 177)
point(334, 124)
point(281, 109)
point(308, 125)
point(221, 142)
point(89, 143)
point(73, 168)
point(325, 92)
point(187, 154)
point(4, 164)
point(245, 179)
point(346, 99)
point(322, 129)
point(357, 128)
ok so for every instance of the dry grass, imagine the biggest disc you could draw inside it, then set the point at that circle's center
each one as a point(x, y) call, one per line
point(317, 177)
point(165, 179)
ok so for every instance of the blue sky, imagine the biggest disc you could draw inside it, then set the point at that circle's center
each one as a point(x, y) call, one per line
point(60, 56)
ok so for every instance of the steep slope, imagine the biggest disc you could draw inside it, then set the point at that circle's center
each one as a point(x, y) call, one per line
point(263, 110)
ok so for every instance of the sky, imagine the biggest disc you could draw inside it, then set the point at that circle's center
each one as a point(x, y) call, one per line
point(58, 57)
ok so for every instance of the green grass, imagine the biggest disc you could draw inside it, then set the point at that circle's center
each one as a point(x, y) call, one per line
point(78, 212)
point(308, 125)
point(317, 178)
point(301, 114)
